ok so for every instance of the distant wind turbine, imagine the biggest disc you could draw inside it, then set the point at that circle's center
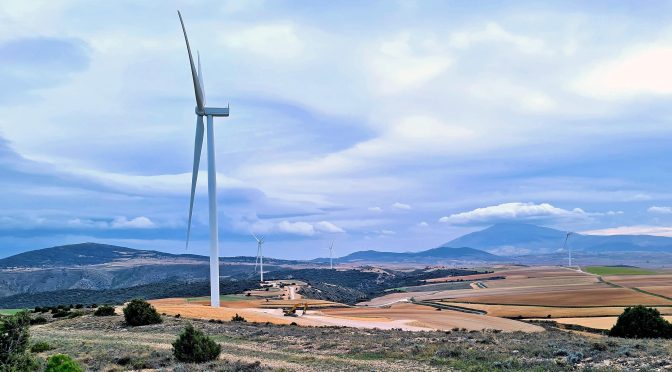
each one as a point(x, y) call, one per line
point(331, 255)
point(570, 248)
point(209, 112)
point(260, 255)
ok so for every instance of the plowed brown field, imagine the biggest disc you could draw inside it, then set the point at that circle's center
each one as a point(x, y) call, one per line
point(606, 296)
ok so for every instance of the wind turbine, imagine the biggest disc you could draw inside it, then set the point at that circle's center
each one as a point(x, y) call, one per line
point(331, 255)
point(210, 112)
point(260, 255)
point(570, 248)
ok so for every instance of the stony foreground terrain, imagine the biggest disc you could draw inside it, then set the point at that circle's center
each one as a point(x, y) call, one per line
point(106, 343)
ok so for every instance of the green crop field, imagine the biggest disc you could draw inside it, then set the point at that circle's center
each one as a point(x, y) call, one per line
point(618, 270)
point(9, 311)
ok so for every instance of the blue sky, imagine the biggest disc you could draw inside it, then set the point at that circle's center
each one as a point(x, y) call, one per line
point(392, 125)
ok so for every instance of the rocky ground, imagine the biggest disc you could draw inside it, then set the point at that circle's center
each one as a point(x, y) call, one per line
point(106, 343)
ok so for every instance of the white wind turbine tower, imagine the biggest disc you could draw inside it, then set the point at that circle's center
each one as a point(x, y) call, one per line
point(210, 113)
point(331, 255)
point(260, 256)
point(570, 248)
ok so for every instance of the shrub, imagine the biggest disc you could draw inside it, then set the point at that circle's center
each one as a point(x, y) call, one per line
point(193, 346)
point(641, 322)
point(238, 318)
point(39, 347)
point(14, 335)
point(61, 313)
point(139, 312)
point(62, 363)
point(38, 320)
point(37, 309)
point(75, 314)
point(93, 306)
point(104, 310)
point(79, 306)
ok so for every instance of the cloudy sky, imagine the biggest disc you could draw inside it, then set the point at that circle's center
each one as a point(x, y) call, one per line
point(395, 125)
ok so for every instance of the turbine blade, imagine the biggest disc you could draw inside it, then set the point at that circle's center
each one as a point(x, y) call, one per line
point(200, 102)
point(198, 145)
point(200, 76)
point(255, 237)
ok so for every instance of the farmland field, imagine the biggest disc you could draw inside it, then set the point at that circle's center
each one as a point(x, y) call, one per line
point(9, 311)
point(605, 322)
point(222, 298)
point(605, 296)
point(618, 270)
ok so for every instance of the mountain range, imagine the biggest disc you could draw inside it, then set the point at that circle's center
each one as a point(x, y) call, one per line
point(91, 266)
point(518, 239)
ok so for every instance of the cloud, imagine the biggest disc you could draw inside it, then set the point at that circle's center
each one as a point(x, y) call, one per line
point(402, 206)
point(640, 71)
point(660, 210)
point(30, 64)
point(494, 33)
point(375, 209)
point(274, 40)
point(328, 227)
point(514, 212)
point(404, 63)
point(298, 228)
point(135, 223)
point(423, 224)
point(632, 230)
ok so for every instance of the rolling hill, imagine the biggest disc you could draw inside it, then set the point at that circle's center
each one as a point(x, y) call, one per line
point(432, 256)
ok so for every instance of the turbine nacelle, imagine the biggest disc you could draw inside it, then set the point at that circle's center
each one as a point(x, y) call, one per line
point(212, 111)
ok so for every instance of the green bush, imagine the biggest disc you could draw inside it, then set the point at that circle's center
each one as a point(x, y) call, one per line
point(139, 312)
point(74, 314)
point(193, 346)
point(61, 314)
point(62, 363)
point(641, 322)
point(38, 320)
point(104, 310)
point(39, 347)
point(14, 336)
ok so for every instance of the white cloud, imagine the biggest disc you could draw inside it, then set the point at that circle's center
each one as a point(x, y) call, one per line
point(423, 224)
point(328, 227)
point(404, 63)
point(643, 70)
point(279, 40)
point(633, 230)
point(493, 32)
point(375, 209)
point(398, 205)
point(135, 223)
point(660, 210)
point(298, 228)
point(513, 212)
